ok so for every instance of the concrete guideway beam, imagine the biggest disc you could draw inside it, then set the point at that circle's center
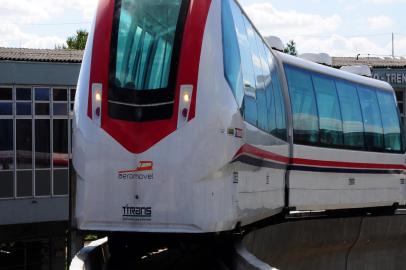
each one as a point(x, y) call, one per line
point(339, 243)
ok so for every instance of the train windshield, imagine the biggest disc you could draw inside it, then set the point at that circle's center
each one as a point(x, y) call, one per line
point(146, 35)
point(145, 47)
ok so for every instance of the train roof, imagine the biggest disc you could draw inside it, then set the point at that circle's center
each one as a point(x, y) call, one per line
point(308, 65)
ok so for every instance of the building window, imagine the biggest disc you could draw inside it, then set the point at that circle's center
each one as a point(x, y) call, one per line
point(36, 120)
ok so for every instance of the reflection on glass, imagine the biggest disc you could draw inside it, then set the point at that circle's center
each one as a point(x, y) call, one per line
point(42, 144)
point(60, 109)
point(41, 109)
point(6, 108)
point(60, 94)
point(42, 94)
point(43, 183)
point(6, 93)
point(72, 94)
point(61, 180)
point(23, 93)
point(24, 108)
point(6, 185)
point(60, 141)
point(6, 144)
point(24, 143)
point(24, 183)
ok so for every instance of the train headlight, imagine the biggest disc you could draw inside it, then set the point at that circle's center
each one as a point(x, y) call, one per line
point(98, 96)
point(186, 97)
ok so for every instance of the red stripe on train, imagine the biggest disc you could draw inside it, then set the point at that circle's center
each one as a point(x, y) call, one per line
point(251, 150)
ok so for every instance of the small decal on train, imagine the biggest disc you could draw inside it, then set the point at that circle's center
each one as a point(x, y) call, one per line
point(137, 213)
point(144, 171)
point(234, 132)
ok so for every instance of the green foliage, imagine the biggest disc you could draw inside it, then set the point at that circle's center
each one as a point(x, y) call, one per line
point(291, 48)
point(75, 42)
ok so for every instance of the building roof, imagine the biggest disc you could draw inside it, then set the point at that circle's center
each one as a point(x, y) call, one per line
point(376, 62)
point(41, 55)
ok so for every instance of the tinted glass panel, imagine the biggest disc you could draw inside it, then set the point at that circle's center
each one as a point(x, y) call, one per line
point(6, 185)
point(43, 183)
point(372, 119)
point(6, 108)
point(279, 107)
point(60, 137)
point(353, 127)
point(41, 109)
point(42, 144)
point(24, 184)
point(146, 35)
point(331, 126)
point(60, 94)
point(24, 108)
point(250, 110)
point(6, 144)
point(6, 93)
point(390, 120)
point(23, 93)
point(245, 51)
point(255, 55)
point(60, 109)
point(231, 52)
point(61, 182)
point(42, 94)
point(24, 144)
point(305, 120)
point(263, 122)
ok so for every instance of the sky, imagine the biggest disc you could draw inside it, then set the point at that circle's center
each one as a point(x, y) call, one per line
point(336, 27)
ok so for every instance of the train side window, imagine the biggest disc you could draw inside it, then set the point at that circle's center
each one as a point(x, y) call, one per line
point(255, 55)
point(305, 119)
point(245, 51)
point(250, 110)
point(231, 52)
point(331, 126)
point(353, 127)
point(390, 120)
point(372, 119)
point(280, 116)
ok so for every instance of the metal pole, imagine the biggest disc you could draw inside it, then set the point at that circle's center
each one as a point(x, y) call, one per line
point(393, 45)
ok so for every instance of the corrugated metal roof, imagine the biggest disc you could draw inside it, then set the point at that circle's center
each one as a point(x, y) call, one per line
point(41, 55)
point(376, 62)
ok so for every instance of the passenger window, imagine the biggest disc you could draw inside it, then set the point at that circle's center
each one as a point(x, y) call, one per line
point(231, 53)
point(280, 116)
point(331, 126)
point(372, 119)
point(390, 120)
point(305, 119)
point(353, 127)
point(245, 51)
point(250, 110)
point(255, 55)
point(263, 122)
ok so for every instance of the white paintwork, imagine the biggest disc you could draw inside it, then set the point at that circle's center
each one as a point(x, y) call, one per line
point(196, 187)
point(362, 70)
point(192, 189)
point(319, 58)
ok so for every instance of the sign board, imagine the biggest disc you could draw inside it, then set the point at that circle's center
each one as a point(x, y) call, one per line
point(395, 77)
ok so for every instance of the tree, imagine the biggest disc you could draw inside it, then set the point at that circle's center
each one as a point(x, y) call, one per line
point(290, 48)
point(75, 42)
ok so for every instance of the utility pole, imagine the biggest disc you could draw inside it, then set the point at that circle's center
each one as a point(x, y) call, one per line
point(393, 45)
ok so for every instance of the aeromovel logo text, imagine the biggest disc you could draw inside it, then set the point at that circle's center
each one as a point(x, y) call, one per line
point(144, 171)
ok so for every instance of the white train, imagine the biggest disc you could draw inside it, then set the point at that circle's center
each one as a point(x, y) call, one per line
point(187, 121)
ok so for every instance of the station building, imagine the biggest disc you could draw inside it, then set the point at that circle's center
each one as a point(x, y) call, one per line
point(391, 70)
point(37, 90)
